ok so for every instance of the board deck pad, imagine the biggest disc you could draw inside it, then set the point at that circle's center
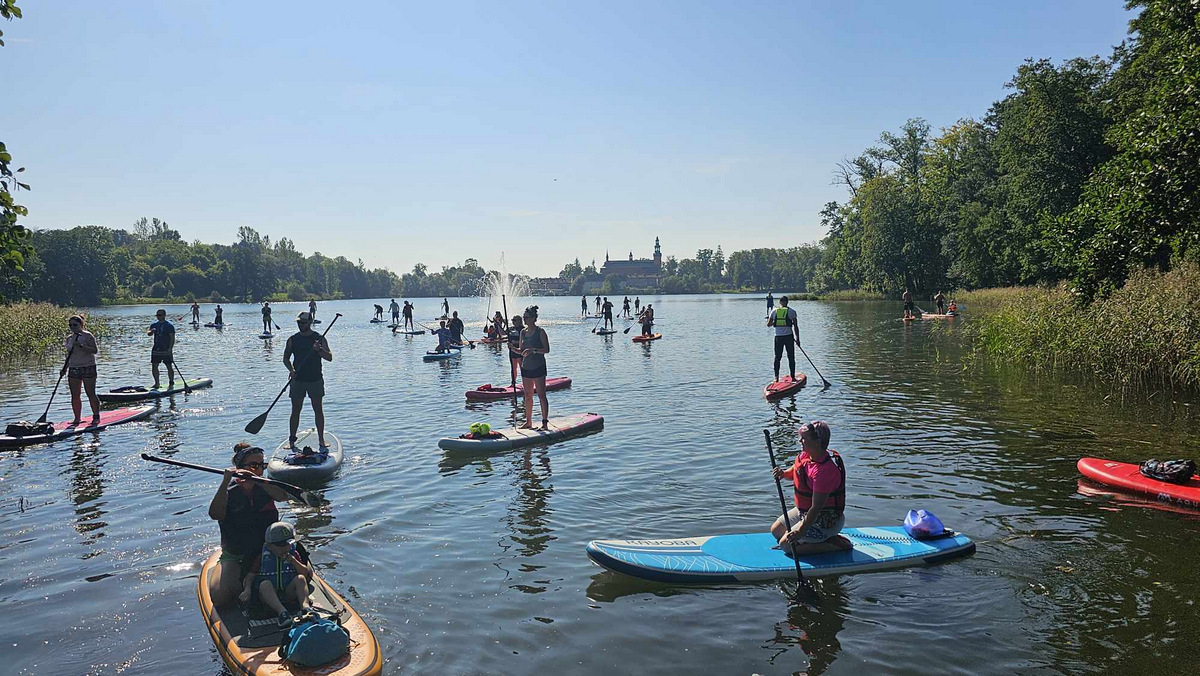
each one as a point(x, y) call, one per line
point(646, 339)
point(65, 429)
point(150, 393)
point(278, 468)
point(506, 392)
point(1128, 477)
point(785, 386)
point(755, 556)
point(559, 428)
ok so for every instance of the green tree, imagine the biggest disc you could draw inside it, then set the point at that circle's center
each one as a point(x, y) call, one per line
point(14, 238)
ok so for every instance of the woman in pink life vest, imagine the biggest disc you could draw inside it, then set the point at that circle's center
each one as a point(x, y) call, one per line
point(819, 488)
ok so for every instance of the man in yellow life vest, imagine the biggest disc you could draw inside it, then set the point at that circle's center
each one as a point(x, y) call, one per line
point(787, 335)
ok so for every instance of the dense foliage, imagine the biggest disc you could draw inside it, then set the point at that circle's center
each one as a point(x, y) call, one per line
point(37, 330)
point(14, 238)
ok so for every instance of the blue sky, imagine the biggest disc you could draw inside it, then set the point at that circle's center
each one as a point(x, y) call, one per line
point(434, 132)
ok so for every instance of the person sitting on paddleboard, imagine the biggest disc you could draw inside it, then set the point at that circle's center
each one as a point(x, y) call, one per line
point(607, 309)
point(219, 320)
point(312, 308)
point(195, 312)
point(443, 336)
point(787, 335)
point(456, 327)
point(514, 346)
point(647, 319)
point(243, 509)
point(266, 316)
point(80, 368)
point(818, 478)
point(279, 575)
point(908, 304)
point(535, 345)
point(161, 352)
point(953, 307)
point(304, 375)
point(941, 303)
point(378, 311)
point(408, 316)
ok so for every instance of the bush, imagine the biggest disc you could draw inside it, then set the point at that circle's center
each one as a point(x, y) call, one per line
point(296, 292)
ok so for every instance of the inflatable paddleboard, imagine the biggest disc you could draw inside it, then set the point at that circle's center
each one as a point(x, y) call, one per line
point(279, 468)
point(266, 335)
point(140, 393)
point(378, 321)
point(784, 387)
point(1127, 477)
point(215, 326)
point(249, 642)
point(410, 333)
point(559, 428)
point(493, 341)
point(646, 339)
point(604, 332)
point(932, 315)
point(65, 429)
point(489, 393)
point(438, 356)
point(754, 557)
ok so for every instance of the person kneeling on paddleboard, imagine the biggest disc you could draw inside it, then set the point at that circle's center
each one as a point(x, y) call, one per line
point(243, 509)
point(278, 577)
point(819, 490)
point(443, 336)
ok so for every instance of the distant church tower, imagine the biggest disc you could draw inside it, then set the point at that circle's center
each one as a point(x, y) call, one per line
point(657, 254)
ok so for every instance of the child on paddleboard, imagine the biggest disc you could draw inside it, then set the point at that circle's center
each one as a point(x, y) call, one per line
point(278, 577)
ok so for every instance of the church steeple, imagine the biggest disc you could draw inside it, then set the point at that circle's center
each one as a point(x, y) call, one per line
point(606, 255)
point(657, 253)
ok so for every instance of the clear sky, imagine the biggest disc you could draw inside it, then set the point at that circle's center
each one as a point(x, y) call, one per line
point(437, 131)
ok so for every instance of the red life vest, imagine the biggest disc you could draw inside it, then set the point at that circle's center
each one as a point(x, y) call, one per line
point(803, 493)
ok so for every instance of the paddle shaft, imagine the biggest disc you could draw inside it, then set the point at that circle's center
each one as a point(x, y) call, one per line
point(53, 392)
point(787, 521)
point(182, 378)
point(511, 371)
point(294, 490)
point(810, 363)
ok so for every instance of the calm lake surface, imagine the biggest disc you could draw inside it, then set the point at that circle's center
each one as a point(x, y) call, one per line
point(466, 566)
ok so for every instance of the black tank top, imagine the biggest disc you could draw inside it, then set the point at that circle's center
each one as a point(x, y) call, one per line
point(306, 362)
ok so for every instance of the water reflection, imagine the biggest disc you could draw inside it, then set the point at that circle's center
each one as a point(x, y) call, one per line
point(530, 509)
point(87, 488)
point(813, 628)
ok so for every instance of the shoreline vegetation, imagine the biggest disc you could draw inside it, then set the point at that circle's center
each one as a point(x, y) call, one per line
point(36, 330)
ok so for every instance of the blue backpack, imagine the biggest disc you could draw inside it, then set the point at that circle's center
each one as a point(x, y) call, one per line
point(921, 524)
point(315, 642)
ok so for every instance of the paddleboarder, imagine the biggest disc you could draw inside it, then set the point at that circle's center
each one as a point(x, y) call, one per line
point(496, 326)
point(304, 375)
point(378, 312)
point(456, 327)
point(908, 304)
point(583, 306)
point(80, 368)
point(647, 319)
point(445, 306)
point(940, 299)
point(161, 352)
point(787, 335)
point(219, 312)
point(770, 302)
point(407, 310)
point(597, 304)
point(535, 345)
point(625, 307)
point(637, 305)
point(243, 509)
point(443, 336)
point(607, 309)
point(278, 577)
point(514, 346)
point(266, 316)
point(818, 477)
point(395, 309)
point(312, 308)
point(195, 312)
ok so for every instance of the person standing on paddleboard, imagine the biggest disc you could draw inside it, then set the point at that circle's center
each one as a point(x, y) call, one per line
point(818, 478)
point(456, 327)
point(395, 311)
point(195, 312)
point(607, 309)
point(378, 312)
point(535, 345)
point(625, 307)
point(266, 316)
point(445, 306)
point(304, 375)
point(770, 302)
point(312, 308)
point(637, 305)
point(514, 346)
point(787, 335)
point(407, 310)
point(940, 299)
point(243, 509)
point(647, 319)
point(80, 368)
point(908, 304)
point(597, 304)
point(161, 352)
point(583, 306)
point(219, 320)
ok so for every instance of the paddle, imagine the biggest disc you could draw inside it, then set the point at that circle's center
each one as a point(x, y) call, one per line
point(55, 390)
point(597, 323)
point(810, 363)
point(304, 496)
point(255, 426)
point(512, 372)
point(186, 389)
point(805, 589)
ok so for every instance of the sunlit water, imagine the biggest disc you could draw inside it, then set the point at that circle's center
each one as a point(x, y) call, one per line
point(478, 565)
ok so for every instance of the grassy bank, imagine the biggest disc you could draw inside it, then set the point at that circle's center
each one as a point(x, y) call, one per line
point(37, 329)
point(1147, 333)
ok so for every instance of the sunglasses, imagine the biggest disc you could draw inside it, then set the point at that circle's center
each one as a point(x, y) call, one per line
point(254, 465)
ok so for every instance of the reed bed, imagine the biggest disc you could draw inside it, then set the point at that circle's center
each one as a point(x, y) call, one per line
point(34, 330)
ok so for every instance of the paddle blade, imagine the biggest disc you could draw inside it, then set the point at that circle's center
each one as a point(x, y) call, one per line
point(310, 498)
point(807, 593)
point(255, 426)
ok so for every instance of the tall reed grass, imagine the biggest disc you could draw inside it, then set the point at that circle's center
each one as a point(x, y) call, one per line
point(33, 330)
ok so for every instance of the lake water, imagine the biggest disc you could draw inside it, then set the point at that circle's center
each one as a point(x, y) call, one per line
point(465, 566)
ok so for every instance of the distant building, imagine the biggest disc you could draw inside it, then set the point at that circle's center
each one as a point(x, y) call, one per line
point(549, 286)
point(640, 272)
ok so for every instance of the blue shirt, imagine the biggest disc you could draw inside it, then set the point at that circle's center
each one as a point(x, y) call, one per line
point(443, 336)
point(164, 334)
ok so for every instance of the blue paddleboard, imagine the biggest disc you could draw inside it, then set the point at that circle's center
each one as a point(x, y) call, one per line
point(438, 356)
point(754, 557)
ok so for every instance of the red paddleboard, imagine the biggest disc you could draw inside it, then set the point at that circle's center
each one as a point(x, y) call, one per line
point(644, 339)
point(489, 393)
point(66, 429)
point(784, 386)
point(1125, 475)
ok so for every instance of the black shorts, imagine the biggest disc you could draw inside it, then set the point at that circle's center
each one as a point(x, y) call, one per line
point(82, 372)
point(908, 306)
point(533, 373)
point(161, 358)
point(314, 389)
